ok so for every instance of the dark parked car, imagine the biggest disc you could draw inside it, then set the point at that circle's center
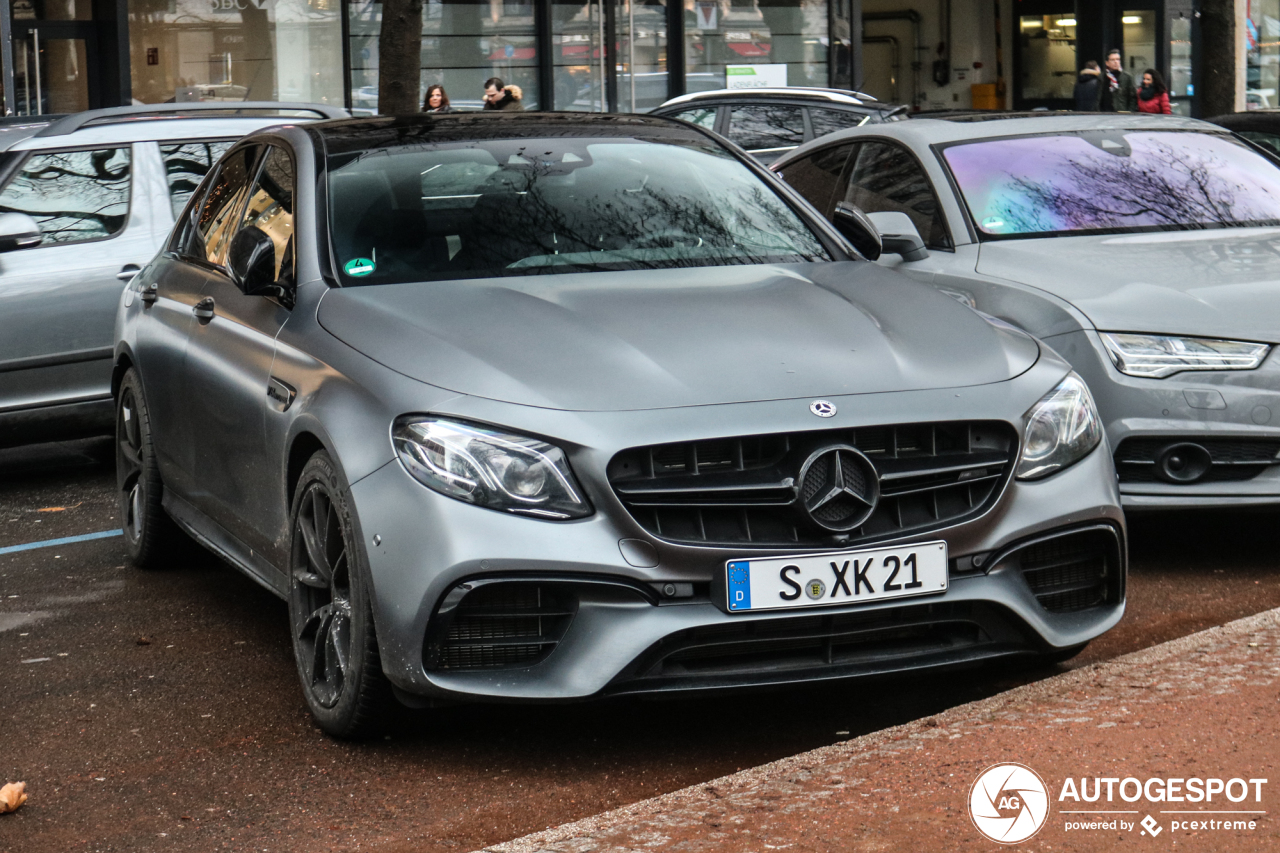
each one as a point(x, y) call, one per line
point(1259, 126)
point(558, 406)
point(770, 122)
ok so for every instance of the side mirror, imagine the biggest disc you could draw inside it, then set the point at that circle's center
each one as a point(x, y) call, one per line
point(898, 235)
point(18, 231)
point(251, 260)
point(858, 230)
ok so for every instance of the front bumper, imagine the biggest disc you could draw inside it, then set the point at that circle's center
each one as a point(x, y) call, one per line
point(627, 635)
point(1229, 412)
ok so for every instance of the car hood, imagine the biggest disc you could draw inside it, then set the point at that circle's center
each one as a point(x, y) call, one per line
point(666, 338)
point(1221, 283)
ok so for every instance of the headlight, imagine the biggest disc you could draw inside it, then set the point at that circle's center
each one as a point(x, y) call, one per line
point(510, 473)
point(1158, 356)
point(1060, 430)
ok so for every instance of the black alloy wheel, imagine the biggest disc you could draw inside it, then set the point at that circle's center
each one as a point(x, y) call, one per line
point(330, 609)
point(149, 534)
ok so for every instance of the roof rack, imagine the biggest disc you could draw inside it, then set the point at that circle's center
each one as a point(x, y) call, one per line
point(190, 109)
point(834, 95)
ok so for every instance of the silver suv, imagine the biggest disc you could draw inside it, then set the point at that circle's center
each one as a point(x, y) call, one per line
point(86, 200)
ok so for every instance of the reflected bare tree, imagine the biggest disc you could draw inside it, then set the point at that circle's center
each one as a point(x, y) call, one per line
point(1167, 186)
point(72, 195)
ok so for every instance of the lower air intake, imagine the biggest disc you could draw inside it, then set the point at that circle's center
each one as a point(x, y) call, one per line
point(500, 625)
point(1073, 571)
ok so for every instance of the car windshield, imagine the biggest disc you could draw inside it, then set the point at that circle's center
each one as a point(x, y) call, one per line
point(480, 208)
point(1114, 181)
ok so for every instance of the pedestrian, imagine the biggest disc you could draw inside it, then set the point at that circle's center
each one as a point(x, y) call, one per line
point(500, 96)
point(436, 101)
point(1119, 95)
point(1153, 97)
point(1088, 87)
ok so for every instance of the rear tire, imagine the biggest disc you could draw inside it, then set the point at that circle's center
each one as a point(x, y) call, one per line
point(331, 609)
point(150, 536)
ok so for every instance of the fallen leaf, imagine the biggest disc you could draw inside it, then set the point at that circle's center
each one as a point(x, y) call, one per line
point(143, 641)
point(59, 508)
point(12, 796)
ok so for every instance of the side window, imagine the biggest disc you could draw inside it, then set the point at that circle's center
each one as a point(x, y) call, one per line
point(186, 164)
point(829, 121)
point(886, 177)
point(760, 127)
point(219, 217)
point(73, 195)
point(815, 177)
point(270, 207)
point(704, 117)
point(1269, 141)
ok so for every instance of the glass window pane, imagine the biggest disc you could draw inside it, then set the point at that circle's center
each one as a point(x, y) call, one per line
point(576, 30)
point(702, 117)
point(583, 205)
point(829, 121)
point(815, 177)
point(186, 164)
point(886, 177)
point(464, 43)
point(218, 218)
point(1115, 181)
point(649, 47)
point(1262, 57)
point(236, 50)
point(73, 195)
point(270, 207)
point(790, 33)
point(760, 127)
point(1048, 45)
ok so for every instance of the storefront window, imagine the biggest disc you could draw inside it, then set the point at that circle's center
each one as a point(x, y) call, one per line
point(1048, 55)
point(786, 38)
point(463, 44)
point(1181, 83)
point(1262, 35)
point(639, 62)
point(236, 50)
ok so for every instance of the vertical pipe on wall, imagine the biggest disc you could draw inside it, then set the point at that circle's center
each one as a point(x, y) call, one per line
point(545, 41)
point(6, 57)
point(675, 48)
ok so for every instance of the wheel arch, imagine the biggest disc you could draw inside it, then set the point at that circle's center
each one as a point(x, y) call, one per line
point(124, 361)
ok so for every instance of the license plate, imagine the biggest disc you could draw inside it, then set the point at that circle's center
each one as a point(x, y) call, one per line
point(844, 577)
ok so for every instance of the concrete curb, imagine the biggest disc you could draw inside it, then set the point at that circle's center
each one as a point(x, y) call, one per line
point(862, 749)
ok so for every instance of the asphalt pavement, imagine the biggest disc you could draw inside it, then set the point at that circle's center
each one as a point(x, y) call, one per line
point(160, 710)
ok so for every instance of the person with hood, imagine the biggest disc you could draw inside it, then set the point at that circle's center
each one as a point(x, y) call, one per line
point(1088, 90)
point(1119, 95)
point(499, 96)
point(1153, 97)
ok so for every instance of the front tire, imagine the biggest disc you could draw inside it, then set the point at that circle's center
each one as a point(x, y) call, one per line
point(150, 536)
point(331, 609)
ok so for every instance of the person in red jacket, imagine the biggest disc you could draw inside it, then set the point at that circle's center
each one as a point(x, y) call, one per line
point(1153, 96)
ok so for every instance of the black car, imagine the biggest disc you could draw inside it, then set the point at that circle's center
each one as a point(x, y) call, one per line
point(1261, 127)
point(770, 122)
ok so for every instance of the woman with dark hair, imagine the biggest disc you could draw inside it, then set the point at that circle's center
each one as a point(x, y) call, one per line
point(436, 100)
point(1153, 95)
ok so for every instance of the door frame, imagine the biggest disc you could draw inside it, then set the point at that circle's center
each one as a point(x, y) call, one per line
point(52, 30)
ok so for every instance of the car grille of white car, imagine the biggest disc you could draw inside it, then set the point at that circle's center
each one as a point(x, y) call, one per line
point(742, 490)
point(1144, 459)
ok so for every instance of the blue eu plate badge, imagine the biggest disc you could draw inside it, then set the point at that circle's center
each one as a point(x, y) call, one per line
point(740, 585)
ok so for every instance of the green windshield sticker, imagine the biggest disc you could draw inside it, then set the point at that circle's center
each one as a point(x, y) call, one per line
point(359, 267)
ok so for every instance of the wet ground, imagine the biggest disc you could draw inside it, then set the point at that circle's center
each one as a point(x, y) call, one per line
point(159, 711)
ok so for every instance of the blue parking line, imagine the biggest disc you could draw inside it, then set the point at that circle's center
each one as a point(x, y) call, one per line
point(66, 540)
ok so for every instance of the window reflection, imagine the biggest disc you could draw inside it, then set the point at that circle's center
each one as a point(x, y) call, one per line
point(73, 195)
point(1114, 181)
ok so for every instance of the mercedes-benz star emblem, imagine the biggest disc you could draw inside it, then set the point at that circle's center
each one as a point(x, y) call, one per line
point(839, 488)
point(823, 408)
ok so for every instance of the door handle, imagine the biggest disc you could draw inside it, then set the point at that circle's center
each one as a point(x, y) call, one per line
point(204, 309)
point(127, 272)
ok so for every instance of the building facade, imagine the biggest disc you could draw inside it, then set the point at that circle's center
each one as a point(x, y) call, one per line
point(605, 55)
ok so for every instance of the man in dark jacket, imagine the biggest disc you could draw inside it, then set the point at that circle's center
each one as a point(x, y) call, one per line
point(499, 96)
point(1088, 87)
point(1119, 95)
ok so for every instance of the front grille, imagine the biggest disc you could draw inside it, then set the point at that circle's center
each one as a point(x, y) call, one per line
point(770, 649)
point(1233, 459)
point(1074, 571)
point(743, 490)
point(502, 624)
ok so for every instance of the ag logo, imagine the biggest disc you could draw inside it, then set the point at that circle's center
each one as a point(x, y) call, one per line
point(1008, 803)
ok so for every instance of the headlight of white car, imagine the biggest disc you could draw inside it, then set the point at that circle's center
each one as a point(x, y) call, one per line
point(1158, 356)
point(1061, 429)
point(498, 470)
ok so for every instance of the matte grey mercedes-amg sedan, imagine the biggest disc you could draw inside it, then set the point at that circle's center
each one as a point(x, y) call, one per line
point(553, 406)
